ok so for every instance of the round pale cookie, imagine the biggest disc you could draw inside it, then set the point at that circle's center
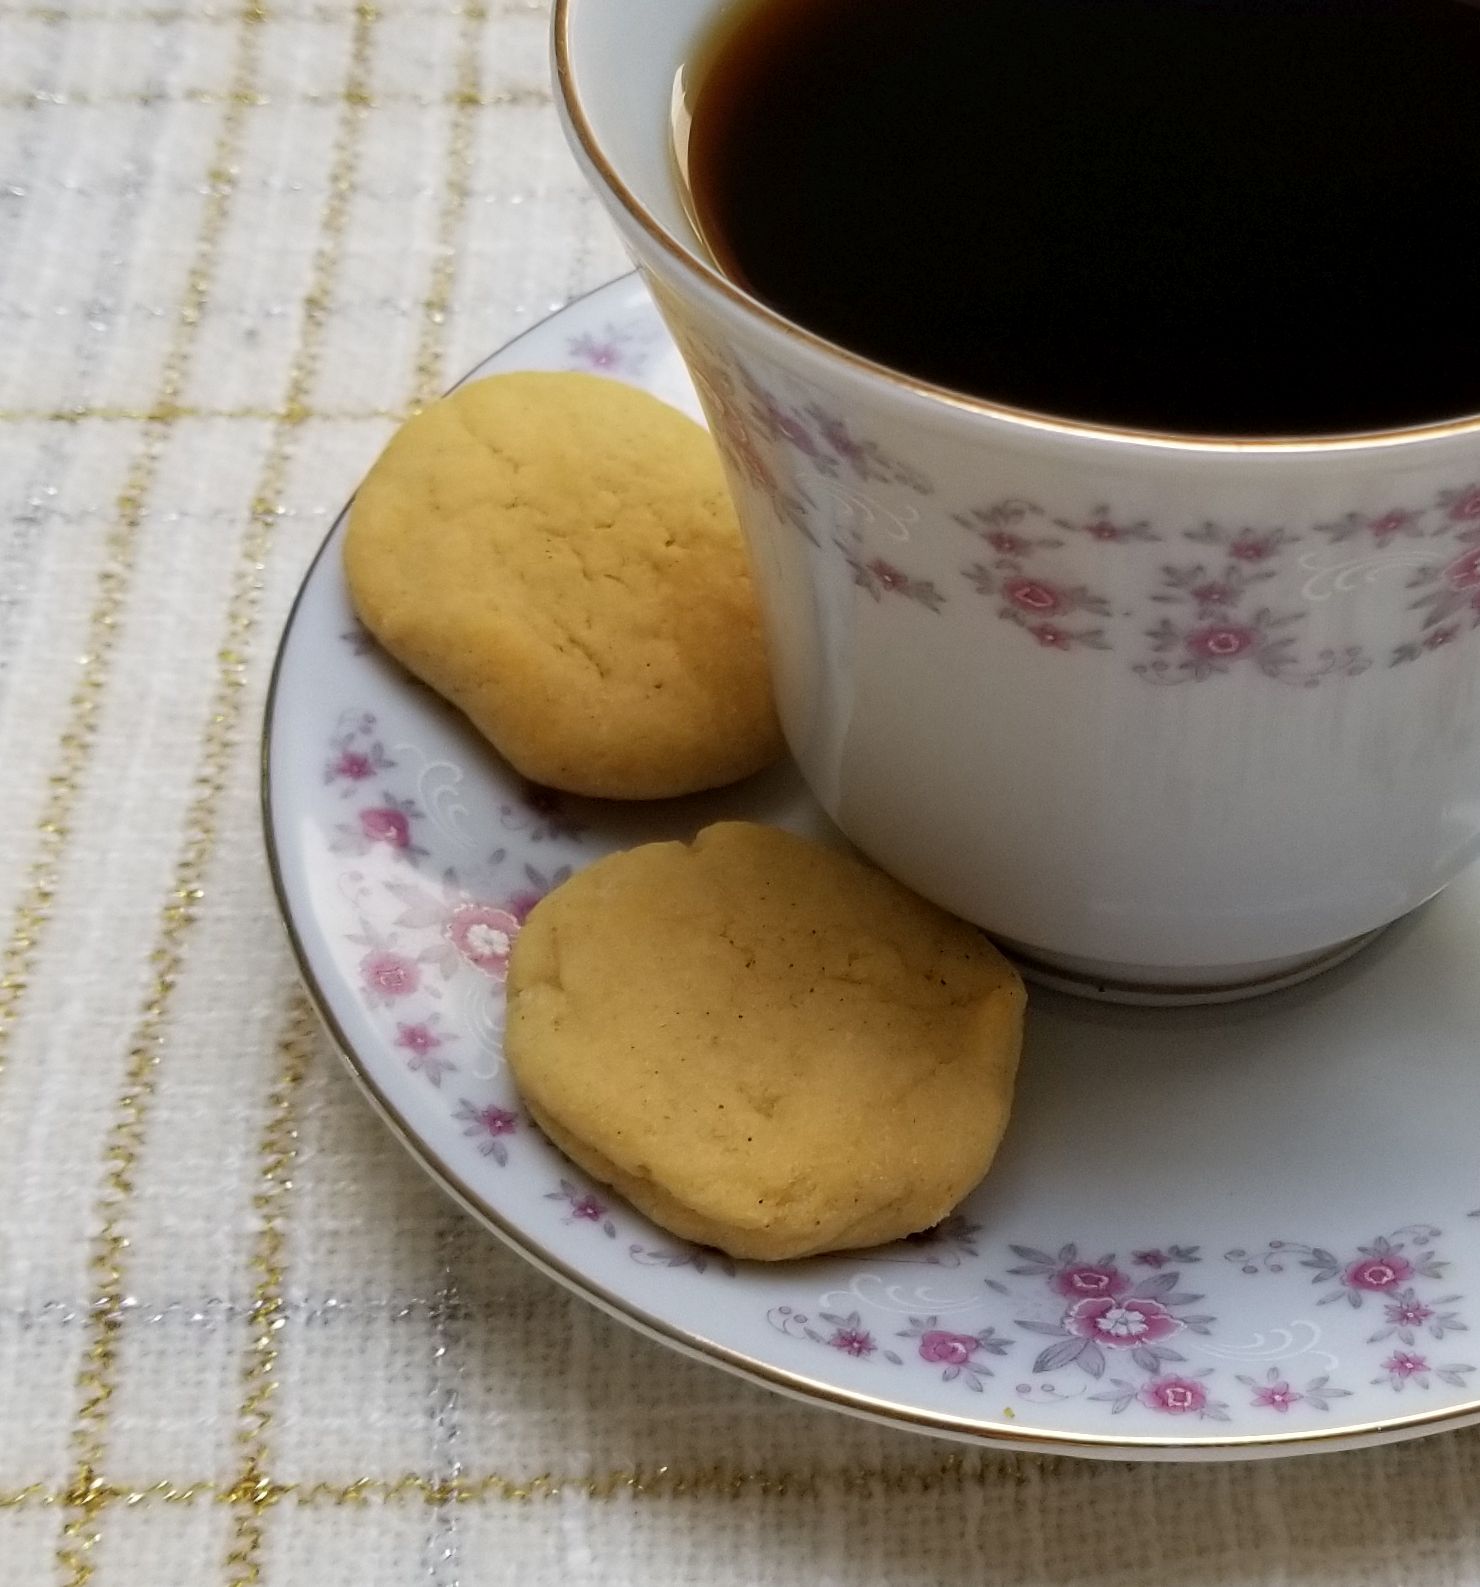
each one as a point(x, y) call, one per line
point(764, 1044)
point(557, 555)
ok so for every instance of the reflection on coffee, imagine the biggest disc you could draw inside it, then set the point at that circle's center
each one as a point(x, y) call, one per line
point(1235, 217)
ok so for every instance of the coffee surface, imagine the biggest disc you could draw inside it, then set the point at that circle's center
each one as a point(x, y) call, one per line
point(1219, 217)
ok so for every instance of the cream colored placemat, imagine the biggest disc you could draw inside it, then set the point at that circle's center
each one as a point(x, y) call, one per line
point(241, 1339)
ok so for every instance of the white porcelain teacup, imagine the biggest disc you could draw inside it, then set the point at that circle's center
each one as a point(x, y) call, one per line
point(1171, 716)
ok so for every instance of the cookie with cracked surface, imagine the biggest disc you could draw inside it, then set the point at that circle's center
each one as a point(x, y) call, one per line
point(765, 1044)
point(557, 555)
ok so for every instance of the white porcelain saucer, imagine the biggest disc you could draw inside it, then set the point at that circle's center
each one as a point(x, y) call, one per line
point(1213, 1232)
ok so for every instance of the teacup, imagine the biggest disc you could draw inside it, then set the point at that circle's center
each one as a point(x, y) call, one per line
point(1171, 717)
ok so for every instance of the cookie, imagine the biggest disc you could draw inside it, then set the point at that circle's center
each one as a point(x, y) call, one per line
point(557, 555)
point(764, 1044)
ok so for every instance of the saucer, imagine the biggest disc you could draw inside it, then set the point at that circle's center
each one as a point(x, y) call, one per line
point(1212, 1232)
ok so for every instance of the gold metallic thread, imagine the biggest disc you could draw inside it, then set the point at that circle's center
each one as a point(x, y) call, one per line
point(172, 15)
point(951, 1473)
point(115, 578)
point(166, 413)
point(250, 99)
point(429, 379)
point(181, 910)
point(278, 1151)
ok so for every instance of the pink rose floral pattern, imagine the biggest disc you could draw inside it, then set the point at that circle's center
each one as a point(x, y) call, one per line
point(737, 436)
point(1045, 610)
point(1447, 594)
point(1273, 1392)
point(959, 1355)
point(844, 1332)
point(484, 935)
point(1403, 1367)
point(1392, 1274)
point(1225, 619)
point(1377, 1269)
point(1170, 1394)
point(795, 454)
point(420, 937)
point(1158, 1258)
point(1380, 529)
point(880, 578)
point(423, 1044)
point(388, 976)
point(356, 754)
point(584, 1206)
point(1222, 622)
point(382, 822)
point(1406, 1317)
point(1232, 594)
point(468, 928)
point(1103, 526)
point(1011, 528)
point(1110, 1326)
point(1108, 1313)
point(542, 816)
point(826, 441)
point(620, 349)
point(489, 1125)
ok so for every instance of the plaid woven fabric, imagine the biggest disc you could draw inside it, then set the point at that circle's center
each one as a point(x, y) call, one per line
point(241, 1339)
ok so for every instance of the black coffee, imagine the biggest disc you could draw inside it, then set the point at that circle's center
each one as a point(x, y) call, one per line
point(1235, 217)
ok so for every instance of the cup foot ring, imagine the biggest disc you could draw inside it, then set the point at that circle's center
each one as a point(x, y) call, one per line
point(1104, 987)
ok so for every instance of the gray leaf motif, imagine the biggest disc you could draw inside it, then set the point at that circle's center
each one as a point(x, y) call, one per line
point(697, 1257)
point(1150, 1357)
point(1030, 1254)
point(1060, 1355)
point(1326, 1266)
point(1158, 1284)
point(420, 908)
point(1119, 1396)
point(1038, 1261)
point(1084, 1353)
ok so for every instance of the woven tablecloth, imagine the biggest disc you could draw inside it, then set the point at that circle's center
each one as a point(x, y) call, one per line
point(242, 1338)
